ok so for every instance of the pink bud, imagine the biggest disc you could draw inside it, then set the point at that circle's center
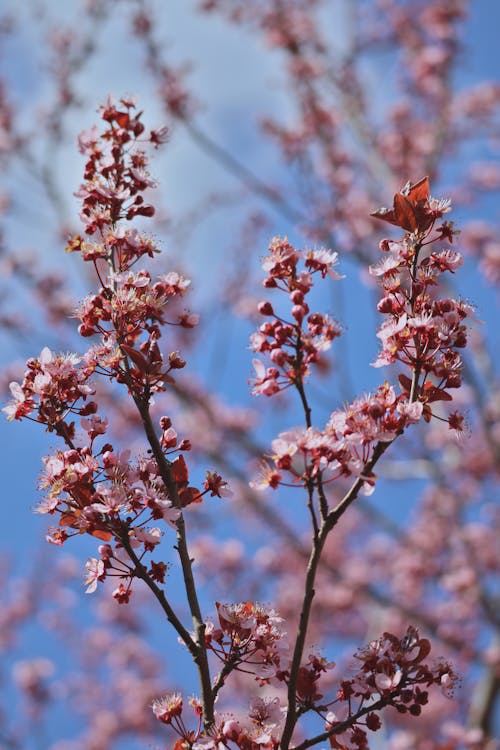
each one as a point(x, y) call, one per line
point(278, 356)
point(265, 308)
point(297, 297)
point(298, 313)
point(386, 305)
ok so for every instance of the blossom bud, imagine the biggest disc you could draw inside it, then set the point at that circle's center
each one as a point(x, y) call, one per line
point(373, 722)
point(266, 328)
point(386, 305)
point(297, 297)
point(270, 283)
point(85, 330)
point(298, 312)
point(165, 423)
point(89, 408)
point(175, 361)
point(265, 308)
point(278, 356)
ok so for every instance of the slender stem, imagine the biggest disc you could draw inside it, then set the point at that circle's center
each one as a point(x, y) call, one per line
point(299, 385)
point(482, 712)
point(312, 567)
point(225, 672)
point(199, 649)
point(309, 592)
point(343, 725)
point(201, 658)
point(312, 511)
point(141, 572)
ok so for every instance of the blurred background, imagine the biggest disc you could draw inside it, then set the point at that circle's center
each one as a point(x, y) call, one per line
point(292, 118)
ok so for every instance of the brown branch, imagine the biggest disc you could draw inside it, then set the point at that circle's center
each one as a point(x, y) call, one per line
point(318, 543)
point(348, 723)
point(201, 657)
point(141, 572)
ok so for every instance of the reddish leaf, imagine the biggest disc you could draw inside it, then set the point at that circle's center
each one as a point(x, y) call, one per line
point(407, 211)
point(68, 519)
point(188, 495)
point(106, 536)
point(404, 213)
point(180, 471)
point(405, 382)
point(432, 394)
point(122, 119)
point(137, 358)
point(424, 649)
point(420, 191)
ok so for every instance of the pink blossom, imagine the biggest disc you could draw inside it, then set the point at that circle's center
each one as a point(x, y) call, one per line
point(95, 572)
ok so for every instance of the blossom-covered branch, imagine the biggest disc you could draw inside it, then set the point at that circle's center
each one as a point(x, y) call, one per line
point(93, 488)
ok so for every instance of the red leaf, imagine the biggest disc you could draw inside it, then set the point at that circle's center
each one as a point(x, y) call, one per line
point(407, 211)
point(424, 649)
point(432, 394)
point(137, 358)
point(122, 119)
point(101, 534)
point(405, 382)
point(180, 471)
point(68, 519)
point(188, 495)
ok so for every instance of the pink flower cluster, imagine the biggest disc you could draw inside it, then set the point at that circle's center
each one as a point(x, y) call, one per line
point(392, 673)
point(343, 448)
point(296, 344)
point(249, 638)
point(117, 176)
point(258, 730)
point(53, 385)
point(129, 309)
point(420, 331)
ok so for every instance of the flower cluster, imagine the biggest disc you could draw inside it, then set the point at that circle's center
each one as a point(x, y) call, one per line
point(249, 638)
point(293, 345)
point(392, 673)
point(343, 448)
point(257, 730)
point(420, 331)
point(53, 385)
point(127, 503)
point(116, 177)
point(130, 308)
